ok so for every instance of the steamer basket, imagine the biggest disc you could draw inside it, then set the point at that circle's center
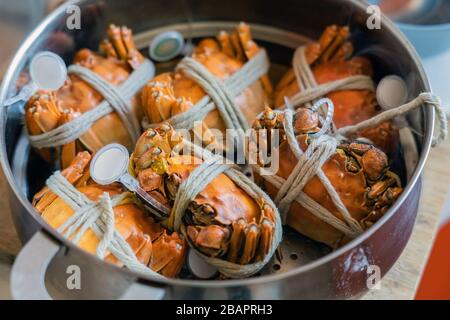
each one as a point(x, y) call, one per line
point(308, 270)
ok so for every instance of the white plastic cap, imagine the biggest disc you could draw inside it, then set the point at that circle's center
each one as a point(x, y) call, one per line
point(109, 164)
point(166, 46)
point(391, 92)
point(48, 71)
point(199, 267)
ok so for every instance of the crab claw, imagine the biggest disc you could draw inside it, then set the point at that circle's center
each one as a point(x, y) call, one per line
point(154, 147)
point(332, 45)
point(242, 241)
point(120, 45)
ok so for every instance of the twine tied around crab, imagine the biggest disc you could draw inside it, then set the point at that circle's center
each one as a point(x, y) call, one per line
point(116, 99)
point(311, 91)
point(99, 217)
point(220, 94)
point(322, 146)
point(310, 164)
point(197, 180)
point(424, 98)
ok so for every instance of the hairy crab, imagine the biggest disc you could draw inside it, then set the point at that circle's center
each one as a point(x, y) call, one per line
point(151, 243)
point(330, 59)
point(47, 110)
point(169, 94)
point(358, 171)
point(223, 221)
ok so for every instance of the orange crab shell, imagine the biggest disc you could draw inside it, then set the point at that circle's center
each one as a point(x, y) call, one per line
point(78, 95)
point(229, 201)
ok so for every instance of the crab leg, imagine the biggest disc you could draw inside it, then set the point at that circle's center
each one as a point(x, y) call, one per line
point(168, 256)
point(69, 150)
point(42, 113)
point(120, 45)
point(251, 49)
point(332, 39)
point(115, 37)
point(236, 241)
point(72, 173)
point(344, 52)
point(145, 251)
point(339, 40)
point(226, 45)
point(251, 243)
point(266, 235)
point(107, 49)
point(236, 43)
point(134, 56)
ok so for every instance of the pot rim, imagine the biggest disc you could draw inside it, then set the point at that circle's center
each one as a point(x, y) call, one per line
point(35, 34)
point(424, 27)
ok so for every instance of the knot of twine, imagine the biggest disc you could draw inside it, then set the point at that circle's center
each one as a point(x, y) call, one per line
point(197, 180)
point(320, 149)
point(116, 100)
point(99, 217)
point(220, 94)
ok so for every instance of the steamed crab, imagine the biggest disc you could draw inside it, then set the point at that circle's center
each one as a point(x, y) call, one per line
point(47, 110)
point(152, 245)
point(330, 59)
point(223, 221)
point(169, 94)
point(358, 171)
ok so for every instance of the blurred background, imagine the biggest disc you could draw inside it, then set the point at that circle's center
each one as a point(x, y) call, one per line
point(425, 22)
point(16, 19)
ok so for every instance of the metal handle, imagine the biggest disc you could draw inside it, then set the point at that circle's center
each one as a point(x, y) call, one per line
point(138, 291)
point(153, 205)
point(30, 267)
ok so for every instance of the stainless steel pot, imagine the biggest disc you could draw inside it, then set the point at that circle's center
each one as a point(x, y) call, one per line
point(40, 270)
